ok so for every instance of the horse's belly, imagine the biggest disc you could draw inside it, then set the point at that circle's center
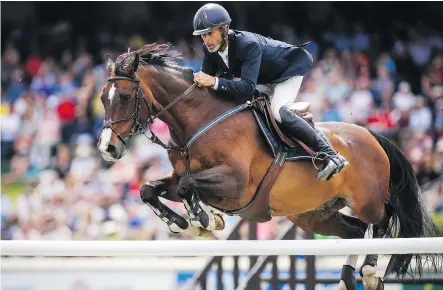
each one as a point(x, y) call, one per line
point(297, 191)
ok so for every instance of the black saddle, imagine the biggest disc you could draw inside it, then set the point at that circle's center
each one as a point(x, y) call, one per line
point(276, 137)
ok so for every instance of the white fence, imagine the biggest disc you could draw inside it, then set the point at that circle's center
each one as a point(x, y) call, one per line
point(222, 248)
point(141, 273)
point(168, 273)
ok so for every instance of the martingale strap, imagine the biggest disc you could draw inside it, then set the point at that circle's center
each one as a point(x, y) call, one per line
point(215, 122)
point(207, 127)
point(184, 151)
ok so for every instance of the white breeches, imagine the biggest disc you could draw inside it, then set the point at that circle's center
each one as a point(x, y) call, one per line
point(282, 94)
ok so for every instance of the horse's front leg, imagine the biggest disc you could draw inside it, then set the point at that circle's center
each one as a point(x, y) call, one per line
point(221, 181)
point(167, 188)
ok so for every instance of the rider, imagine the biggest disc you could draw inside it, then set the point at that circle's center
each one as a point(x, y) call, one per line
point(259, 60)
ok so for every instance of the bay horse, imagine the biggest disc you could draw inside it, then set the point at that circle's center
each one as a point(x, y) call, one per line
point(220, 158)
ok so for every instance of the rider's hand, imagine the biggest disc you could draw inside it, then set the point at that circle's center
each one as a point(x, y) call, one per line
point(204, 80)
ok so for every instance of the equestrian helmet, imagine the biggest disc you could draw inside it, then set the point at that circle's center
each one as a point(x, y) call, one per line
point(210, 16)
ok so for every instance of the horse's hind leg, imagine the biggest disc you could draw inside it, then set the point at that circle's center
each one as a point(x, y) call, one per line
point(167, 188)
point(334, 223)
point(368, 269)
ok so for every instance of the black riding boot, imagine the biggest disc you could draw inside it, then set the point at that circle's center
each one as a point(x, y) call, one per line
point(300, 129)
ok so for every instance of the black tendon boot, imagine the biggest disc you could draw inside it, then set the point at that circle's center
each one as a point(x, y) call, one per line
point(300, 129)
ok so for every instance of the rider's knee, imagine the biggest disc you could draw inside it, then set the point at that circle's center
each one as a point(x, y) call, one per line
point(276, 112)
point(285, 113)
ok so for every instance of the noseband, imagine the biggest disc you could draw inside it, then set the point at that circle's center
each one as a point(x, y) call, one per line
point(140, 127)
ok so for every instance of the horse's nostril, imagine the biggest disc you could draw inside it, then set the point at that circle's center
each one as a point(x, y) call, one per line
point(111, 149)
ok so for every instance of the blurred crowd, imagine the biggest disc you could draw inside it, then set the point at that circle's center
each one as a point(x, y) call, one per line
point(51, 117)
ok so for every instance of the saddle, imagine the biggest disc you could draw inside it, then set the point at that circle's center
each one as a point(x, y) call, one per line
point(263, 114)
point(284, 148)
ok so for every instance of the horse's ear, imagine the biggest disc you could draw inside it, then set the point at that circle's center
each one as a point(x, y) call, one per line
point(110, 64)
point(135, 63)
point(130, 64)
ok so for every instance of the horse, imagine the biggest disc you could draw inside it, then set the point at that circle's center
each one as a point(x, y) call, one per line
point(221, 159)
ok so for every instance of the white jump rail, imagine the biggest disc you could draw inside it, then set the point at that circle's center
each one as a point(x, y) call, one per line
point(221, 248)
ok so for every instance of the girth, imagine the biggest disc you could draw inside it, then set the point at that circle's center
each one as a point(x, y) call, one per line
point(258, 208)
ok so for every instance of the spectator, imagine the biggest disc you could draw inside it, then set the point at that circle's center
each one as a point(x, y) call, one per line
point(362, 102)
point(337, 87)
point(421, 116)
point(382, 84)
point(403, 101)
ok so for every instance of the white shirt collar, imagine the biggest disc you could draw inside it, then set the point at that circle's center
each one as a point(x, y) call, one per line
point(224, 55)
point(225, 52)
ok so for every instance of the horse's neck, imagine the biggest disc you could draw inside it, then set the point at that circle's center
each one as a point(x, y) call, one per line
point(197, 110)
point(191, 113)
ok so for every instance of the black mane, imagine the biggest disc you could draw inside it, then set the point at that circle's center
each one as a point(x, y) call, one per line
point(159, 55)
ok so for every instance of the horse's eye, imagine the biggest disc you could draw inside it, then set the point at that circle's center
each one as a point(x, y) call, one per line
point(126, 99)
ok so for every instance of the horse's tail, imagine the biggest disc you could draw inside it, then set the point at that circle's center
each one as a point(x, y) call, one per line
point(410, 218)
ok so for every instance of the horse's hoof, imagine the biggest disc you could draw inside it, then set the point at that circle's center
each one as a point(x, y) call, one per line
point(219, 222)
point(204, 233)
point(191, 230)
point(370, 279)
point(342, 285)
point(381, 285)
point(216, 221)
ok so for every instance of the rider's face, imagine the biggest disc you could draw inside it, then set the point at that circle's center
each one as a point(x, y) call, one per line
point(213, 39)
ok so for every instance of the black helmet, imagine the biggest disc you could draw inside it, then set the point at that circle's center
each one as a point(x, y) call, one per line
point(208, 17)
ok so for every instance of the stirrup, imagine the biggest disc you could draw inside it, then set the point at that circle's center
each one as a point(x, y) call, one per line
point(335, 164)
point(322, 156)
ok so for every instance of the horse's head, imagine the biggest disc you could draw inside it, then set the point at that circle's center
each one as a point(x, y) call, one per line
point(132, 101)
point(126, 110)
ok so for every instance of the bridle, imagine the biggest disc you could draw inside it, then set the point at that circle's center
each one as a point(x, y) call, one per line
point(137, 126)
point(140, 127)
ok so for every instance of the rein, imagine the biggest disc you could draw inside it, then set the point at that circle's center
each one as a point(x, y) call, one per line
point(140, 127)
